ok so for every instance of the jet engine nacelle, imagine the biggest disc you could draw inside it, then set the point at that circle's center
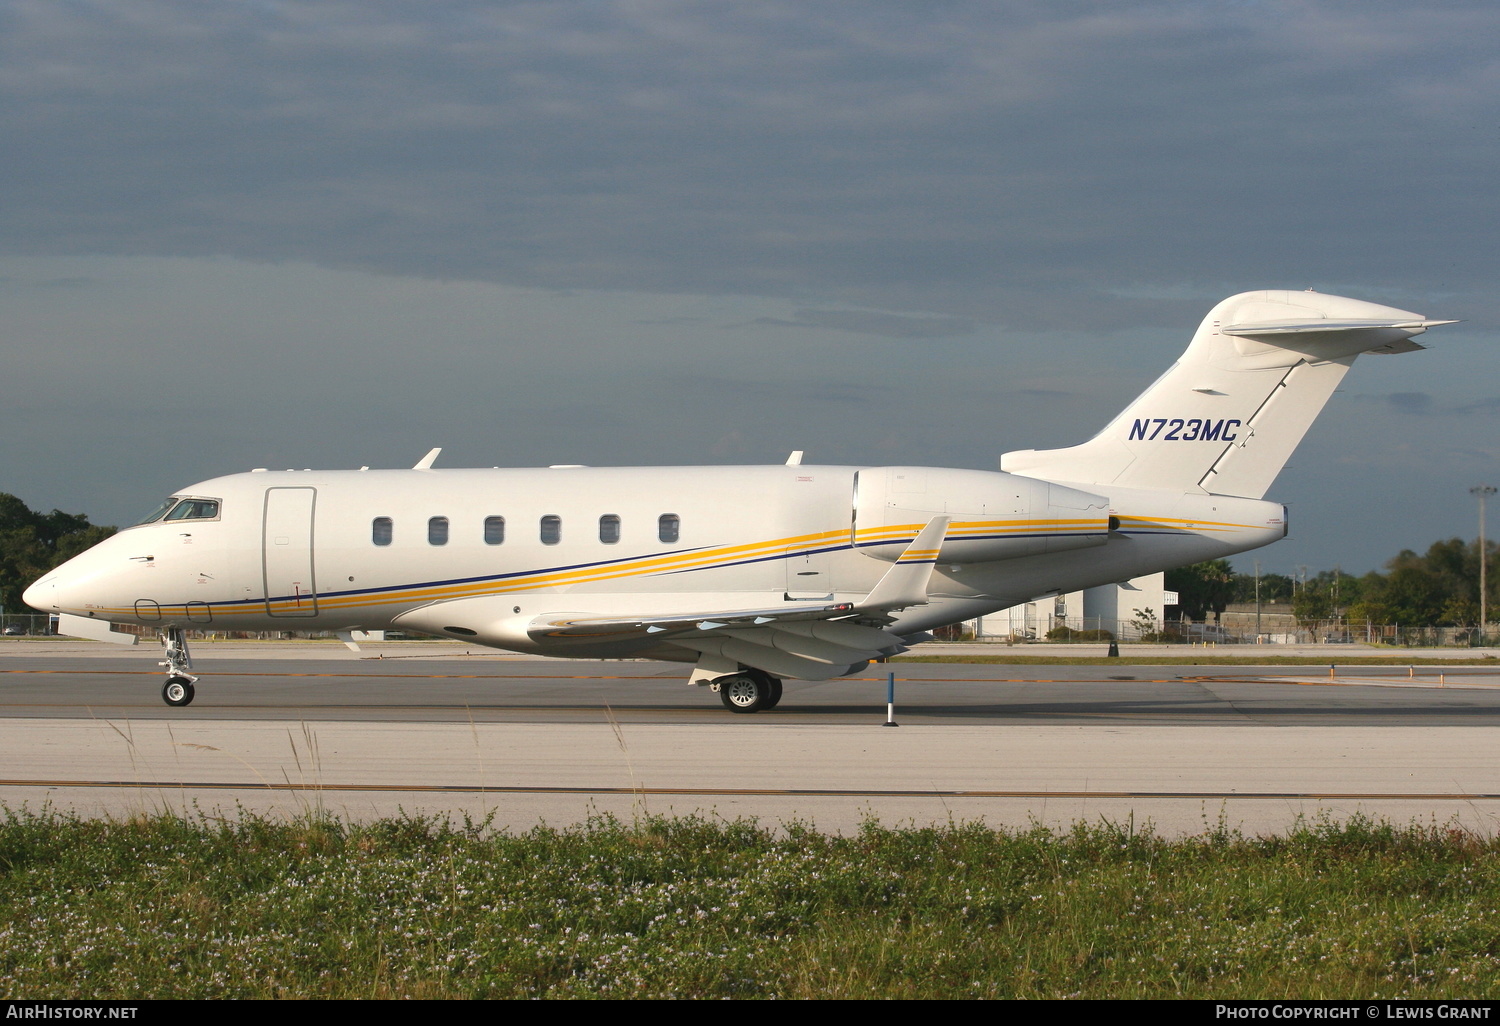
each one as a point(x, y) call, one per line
point(994, 515)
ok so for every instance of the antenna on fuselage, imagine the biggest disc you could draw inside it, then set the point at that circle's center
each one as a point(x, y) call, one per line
point(795, 459)
point(426, 462)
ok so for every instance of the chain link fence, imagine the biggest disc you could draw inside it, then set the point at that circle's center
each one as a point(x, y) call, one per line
point(994, 629)
point(16, 625)
point(1044, 627)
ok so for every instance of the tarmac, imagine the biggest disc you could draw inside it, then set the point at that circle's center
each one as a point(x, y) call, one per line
point(412, 728)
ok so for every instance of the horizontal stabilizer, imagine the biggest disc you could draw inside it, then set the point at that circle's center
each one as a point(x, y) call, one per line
point(1330, 327)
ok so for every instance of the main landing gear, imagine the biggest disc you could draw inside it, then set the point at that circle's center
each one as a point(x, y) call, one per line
point(749, 691)
point(178, 690)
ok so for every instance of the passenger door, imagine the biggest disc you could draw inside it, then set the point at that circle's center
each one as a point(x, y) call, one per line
point(287, 545)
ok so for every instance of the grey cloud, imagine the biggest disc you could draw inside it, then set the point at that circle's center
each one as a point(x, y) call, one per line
point(791, 393)
point(870, 323)
point(1425, 404)
point(1100, 172)
point(1417, 403)
point(1001, 161)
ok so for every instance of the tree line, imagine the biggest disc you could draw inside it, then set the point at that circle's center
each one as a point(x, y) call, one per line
point(31, 543)
point(1439, 588)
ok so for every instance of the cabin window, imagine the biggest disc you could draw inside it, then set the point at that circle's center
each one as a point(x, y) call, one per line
point(667, 527)
point(195, 509)
point(494, 530)
point(609, 529)
point(551, 530)
point(381, 530)
point(437, 531)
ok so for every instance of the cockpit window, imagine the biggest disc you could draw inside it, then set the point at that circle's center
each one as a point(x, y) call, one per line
point(157, 513)
point(195, 509)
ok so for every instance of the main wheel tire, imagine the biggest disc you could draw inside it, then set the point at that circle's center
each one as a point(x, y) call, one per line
point(743, 693)
point(177, 691)
point(776, 690)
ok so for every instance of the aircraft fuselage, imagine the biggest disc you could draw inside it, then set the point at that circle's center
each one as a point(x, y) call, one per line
point(370, 550)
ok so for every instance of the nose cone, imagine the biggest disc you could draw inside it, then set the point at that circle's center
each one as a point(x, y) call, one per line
point(43, 594)
point(83, 584)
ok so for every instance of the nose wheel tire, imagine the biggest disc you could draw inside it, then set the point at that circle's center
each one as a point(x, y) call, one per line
point(177, 691)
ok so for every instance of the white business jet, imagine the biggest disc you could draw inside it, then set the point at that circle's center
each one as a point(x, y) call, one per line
point(751, 574)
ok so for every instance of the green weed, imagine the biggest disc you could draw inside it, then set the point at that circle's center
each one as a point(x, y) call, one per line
point(164, 907)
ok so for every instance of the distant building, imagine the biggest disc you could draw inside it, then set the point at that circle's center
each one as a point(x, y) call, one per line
point(1111, 607)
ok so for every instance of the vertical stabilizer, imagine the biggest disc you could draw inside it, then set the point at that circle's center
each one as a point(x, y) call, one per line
point(1227, 415)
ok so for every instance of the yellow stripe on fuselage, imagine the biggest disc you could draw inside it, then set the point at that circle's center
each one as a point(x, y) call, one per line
point(711, 558)
point(1177, 524)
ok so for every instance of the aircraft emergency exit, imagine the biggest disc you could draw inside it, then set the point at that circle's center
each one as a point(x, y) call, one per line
point(750, 574)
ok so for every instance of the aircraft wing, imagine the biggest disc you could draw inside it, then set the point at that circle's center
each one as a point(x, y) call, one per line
point(797, 640)
point(583, 627)
point(904, 584)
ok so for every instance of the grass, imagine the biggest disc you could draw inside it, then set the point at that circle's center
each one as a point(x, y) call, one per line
point(162, 907)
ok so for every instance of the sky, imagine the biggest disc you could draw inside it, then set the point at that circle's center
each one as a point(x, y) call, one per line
point(639, 232)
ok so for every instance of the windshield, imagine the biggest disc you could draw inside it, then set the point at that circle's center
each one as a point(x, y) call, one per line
point(157, 513)
point(195, 509)
point(177, 508)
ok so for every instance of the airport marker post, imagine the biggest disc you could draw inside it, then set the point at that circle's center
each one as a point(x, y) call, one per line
point(890, 700)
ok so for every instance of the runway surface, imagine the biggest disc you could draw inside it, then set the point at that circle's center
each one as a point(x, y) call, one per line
point(289, 729)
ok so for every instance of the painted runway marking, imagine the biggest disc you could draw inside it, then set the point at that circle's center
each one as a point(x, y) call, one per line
point(676, 677)
point(1429, 681)
point(811, 792)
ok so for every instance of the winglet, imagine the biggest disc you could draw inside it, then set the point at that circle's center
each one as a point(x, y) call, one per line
point(905, 584)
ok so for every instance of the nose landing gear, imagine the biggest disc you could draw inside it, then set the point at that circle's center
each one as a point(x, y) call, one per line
point(178, 690)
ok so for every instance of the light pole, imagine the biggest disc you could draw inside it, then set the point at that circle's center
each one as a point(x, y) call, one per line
point(1482, 492)
point(1257, 602)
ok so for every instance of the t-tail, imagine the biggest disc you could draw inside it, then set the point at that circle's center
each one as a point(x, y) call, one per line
point(1225, 418)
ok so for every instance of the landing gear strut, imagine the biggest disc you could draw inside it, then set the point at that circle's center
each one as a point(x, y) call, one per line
point(749, 691)
point(178, 690)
